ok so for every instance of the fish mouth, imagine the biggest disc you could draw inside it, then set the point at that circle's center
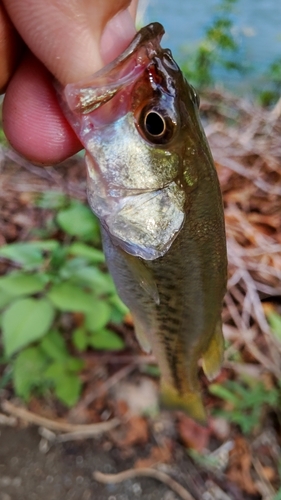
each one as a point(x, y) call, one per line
point(88, 95)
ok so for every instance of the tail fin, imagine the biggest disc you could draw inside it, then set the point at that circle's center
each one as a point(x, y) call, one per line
point(189, 402)
point(213, 357)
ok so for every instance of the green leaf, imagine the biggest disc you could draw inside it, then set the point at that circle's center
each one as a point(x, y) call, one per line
point(101, 283)
point(53, 345)
point(5, 298)
point(79, 221)
point(67, 385)
point(278, 495)
point(68, 389)
point(26, 254)
point(25, 321)
point(52, 200)
point(74, 365)
point(80, 339)
point(71, 267)
point(82, 250)
point(28, 368)
point(19, 283)
point(223, 393)
point(6, 378)
point(208, 462)
point(3, 139)
point(275, 323)
point(106, 340)
point(58, 369)
point(46, 245)
point(119, 310)
point(58, 259)
point(119, 304)
point(152, 370)
point(54, 371)
point(98, 317)
point(69, 297)
point(247, 421)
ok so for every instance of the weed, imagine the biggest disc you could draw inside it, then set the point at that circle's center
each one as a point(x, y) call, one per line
point(272, 83)
point(278, 493)
point(274, 320)
point(246, 400)
point(218, 48)
point(51, 281)
point(206, 461)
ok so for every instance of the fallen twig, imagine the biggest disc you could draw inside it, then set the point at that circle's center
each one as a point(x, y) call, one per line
point(5, 420)
point(144, 472)
point(52, 437)
point(57, 425)
point(264, 485)
point(108, 384)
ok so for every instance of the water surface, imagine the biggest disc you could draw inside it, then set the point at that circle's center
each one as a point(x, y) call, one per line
point(257, 29)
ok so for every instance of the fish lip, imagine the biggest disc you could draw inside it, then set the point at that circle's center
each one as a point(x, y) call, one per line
point(145, 46)
point(146, 34)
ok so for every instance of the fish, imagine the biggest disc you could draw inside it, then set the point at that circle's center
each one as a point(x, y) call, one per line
point(152, 183)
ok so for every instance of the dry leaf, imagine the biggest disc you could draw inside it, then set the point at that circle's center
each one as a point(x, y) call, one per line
point(157, 455)
point(133, 432)
point(240, 466)
point(269, 473)
point(192, 434)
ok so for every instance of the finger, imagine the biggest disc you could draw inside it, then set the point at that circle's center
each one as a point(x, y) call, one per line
point(10, 48)
point(32, 119)
point(120, 28)
point(66, 35)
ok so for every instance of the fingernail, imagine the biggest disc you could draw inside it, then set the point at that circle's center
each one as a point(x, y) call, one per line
point(117, 35)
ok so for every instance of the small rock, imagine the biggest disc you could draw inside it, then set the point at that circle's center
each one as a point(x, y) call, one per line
point(140, 397)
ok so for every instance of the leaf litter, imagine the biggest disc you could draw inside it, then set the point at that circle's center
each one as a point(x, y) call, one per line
point(221, 461)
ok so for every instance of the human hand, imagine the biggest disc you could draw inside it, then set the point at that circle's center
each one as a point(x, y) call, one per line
point(68, 39)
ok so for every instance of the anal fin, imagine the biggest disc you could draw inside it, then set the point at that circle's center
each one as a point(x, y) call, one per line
point(213, 357)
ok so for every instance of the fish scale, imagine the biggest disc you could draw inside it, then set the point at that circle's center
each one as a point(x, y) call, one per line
point(153, 185)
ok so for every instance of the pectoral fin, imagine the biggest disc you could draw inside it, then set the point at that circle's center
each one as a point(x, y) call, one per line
point(213, 357)
point(141, 334)
point(143, 276)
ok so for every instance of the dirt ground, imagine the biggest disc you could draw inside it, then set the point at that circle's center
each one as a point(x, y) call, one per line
point(245, 141)
point(65, 472)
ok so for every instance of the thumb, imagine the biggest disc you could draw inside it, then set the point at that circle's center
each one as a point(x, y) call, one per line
point(73, 38)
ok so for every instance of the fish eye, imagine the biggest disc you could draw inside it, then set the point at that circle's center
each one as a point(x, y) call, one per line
point(154, 124)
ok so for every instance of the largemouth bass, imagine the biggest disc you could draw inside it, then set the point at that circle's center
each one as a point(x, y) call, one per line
point(153, 185)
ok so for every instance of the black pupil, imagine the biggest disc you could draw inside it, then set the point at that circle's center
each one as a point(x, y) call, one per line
point(154, 124)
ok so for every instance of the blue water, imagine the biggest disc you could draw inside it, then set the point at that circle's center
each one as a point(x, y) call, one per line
point(257, 29)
